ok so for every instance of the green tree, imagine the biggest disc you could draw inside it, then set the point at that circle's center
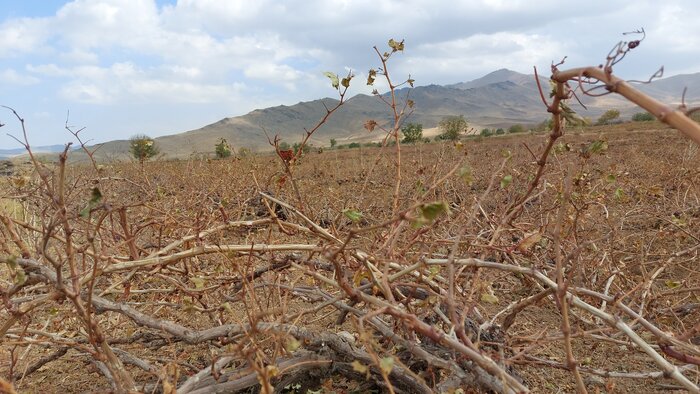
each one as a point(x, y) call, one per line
point(333, 143)
point(643, 117)
point(284, 145)
point(244, 152)
point(223, 149)
point(142, 147)
point(500, 131)
point(412, 133)
point(516, 128)
point(610, 116)
point(297, 146)
point(354, 145)
point(453, 127)
point(487, 132)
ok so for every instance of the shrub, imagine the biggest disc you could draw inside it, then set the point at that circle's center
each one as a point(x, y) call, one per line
point(516, 128)
point(333, 142)
point(500, 131)
point(142, 147)
point(609, 117)
point(304, 150)
point(354, 145)
point(643, 117)
point(453, 127)
point(223, 149)
point(244, 152)
point(412, 133)
point(486, 133)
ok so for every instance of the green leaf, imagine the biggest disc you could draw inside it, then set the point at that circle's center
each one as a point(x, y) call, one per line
point(85, 212)
point(506, 180)
point(387, 364)
point(597, 147)
point(346, 82)
point(466, 174)
point(431, 211)
point(20, 276)
point(96, 196)
point(353, 214)
point(335, 82)
point(619, 193)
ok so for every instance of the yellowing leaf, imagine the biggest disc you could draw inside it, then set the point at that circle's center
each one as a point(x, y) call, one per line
point(529, 241)
point(335, 82)
point(396, 46)
point(490, 298)
point(370, 125)
point(198, 282)
point(359, 367)
point(292, 344)
point(387, 364)
point(466, 174)
point(672, 284)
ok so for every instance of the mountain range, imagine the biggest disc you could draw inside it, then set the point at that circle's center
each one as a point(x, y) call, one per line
point(9, 153)
point(499, 99)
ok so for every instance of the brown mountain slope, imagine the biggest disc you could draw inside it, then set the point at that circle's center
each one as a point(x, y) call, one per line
point(498, 99)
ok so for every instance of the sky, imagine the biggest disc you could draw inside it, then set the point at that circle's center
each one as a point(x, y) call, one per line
point(123, 67)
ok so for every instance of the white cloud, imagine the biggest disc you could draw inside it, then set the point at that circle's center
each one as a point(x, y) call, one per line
point(235, 54)
point(480, 54)
point(21, 36)
point(12, 77)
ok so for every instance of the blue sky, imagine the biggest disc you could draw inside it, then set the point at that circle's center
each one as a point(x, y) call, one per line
point(123, 67)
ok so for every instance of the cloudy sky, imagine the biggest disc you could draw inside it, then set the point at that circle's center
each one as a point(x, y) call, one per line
point(123, 67)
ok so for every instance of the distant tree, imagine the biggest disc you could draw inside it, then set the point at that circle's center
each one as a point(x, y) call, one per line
point(500, 131)
point(354, 145)
point(333, 142)
point(222, 149)
point(452, 127)
point(142, 147)
point(643, 117)
point(487, 132)
point(412, 133)
point(426, 140)
point(244, 152)
point(516, 128)
point(610, 116)
point(284, 145)
point(304, 150)
point(545, 125)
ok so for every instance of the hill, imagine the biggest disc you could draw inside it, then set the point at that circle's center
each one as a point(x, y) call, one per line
point(498, 99)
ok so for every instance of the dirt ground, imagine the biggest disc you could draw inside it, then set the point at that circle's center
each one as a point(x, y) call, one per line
point(635, 203)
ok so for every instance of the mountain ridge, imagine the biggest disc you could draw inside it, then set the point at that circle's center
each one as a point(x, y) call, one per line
point(498, 99)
